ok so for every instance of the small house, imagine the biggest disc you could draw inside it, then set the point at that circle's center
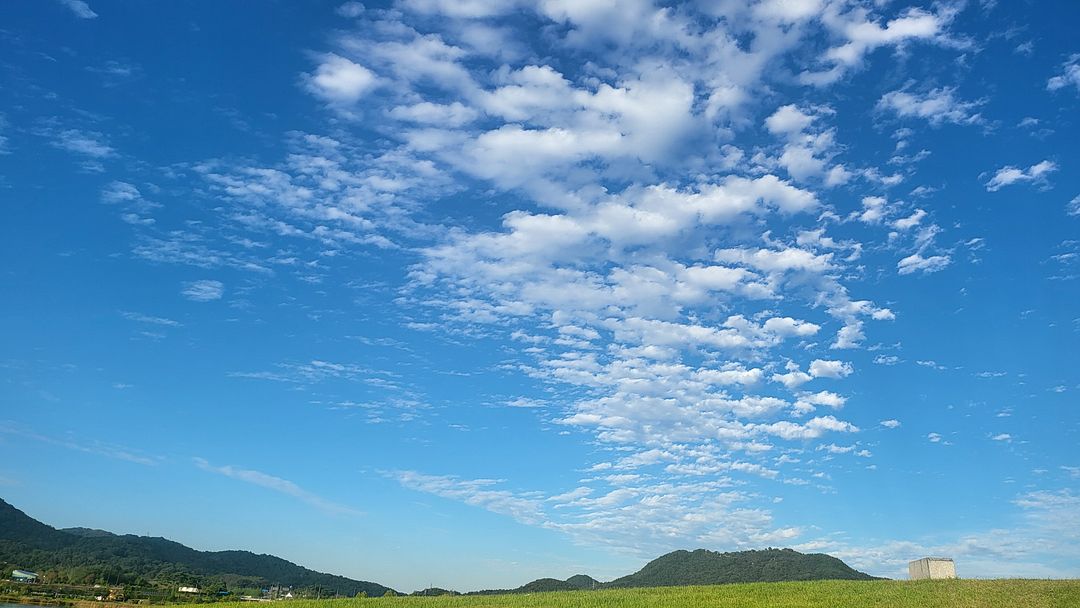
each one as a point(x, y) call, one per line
point(24, 576)
point(188, 589)
point(931, 568)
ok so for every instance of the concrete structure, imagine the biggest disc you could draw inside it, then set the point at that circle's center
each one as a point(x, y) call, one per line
point(24, 576)
point(931, 567)
point(188, 589)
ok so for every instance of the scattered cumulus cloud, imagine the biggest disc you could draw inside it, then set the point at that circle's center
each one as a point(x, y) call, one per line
point(820, 368)
point(1070, 75)
point(1009, 175)
point(936, 106)
point(340, 81)
point(917, 263)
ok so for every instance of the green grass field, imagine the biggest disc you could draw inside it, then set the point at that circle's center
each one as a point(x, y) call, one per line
point(822, 594)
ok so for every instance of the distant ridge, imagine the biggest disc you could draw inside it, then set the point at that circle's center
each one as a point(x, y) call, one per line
point(98, 556)
point(578, 582)
point(703, 567)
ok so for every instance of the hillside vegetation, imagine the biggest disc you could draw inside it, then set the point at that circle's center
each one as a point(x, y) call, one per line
point(808, 594)
point(85, 556)
point(703, 567)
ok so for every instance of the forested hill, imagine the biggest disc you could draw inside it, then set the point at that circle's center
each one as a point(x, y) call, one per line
point(578, 582)
point(703, 567)
point(86, 556)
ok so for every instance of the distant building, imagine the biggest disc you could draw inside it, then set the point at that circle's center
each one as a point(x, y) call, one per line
point(188, 589)
point(931, 568)
point(24, 576)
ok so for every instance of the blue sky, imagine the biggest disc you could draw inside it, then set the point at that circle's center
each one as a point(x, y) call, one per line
point(469, 293)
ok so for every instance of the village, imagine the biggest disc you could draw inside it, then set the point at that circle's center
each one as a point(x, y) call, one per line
point(27, 586)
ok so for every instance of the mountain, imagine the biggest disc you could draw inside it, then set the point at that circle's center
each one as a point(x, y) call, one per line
point(703, 567)
point(87, 532)
point(82, 555)
point(582, 581)
point(578, 582)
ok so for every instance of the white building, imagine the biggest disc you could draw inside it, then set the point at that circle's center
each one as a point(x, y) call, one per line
point(931, 567)
point(188, 589)
point(24, 576)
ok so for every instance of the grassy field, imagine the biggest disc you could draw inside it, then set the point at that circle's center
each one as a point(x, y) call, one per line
point(819, 594)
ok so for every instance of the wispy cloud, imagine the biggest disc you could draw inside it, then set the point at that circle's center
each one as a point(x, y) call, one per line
point(276, 484)
point(87, 143)
point(204, 290)
point(79, 8)
point(630, 513)
point(141, 318)
point(1070, 75)
point(936, 106)
point(70, 442)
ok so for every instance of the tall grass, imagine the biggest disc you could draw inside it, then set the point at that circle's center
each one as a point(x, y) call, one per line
point(1012, 593)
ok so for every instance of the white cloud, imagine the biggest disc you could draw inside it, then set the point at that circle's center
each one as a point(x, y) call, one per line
point(276, 484)
point(86, 143)
point(453, 114)
point(794, 377)
point(874, 209)
point(141, 318)
point(820, 368)
point(477, 492)
point(916, 262)
point(911, 221)
point(90, 446)
point(203, 291)
point(788, 120)
point(351, 9)
point(814, 428)
point(862, 35)
point(1008, 175)
point(80, 9)
point(890, 424)
point(120, 192)
point(850, 335)
point(808, 401)
point(655, 290)
point(1073, 208)
point(1070, 75)
point(786, 326)
point(936, 106)
point(340, 81)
